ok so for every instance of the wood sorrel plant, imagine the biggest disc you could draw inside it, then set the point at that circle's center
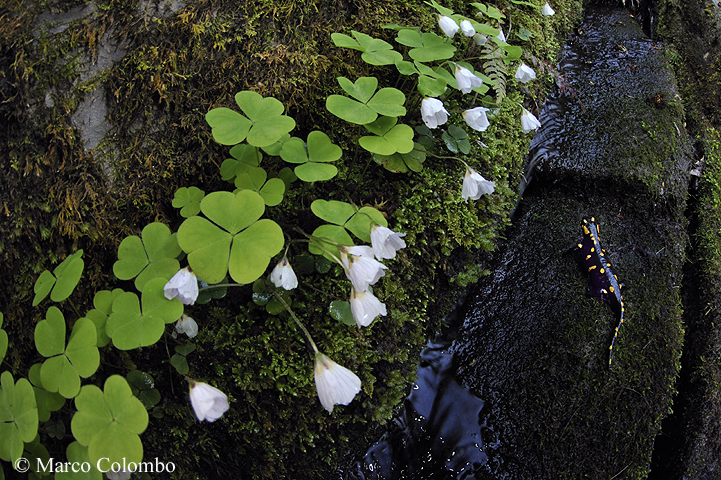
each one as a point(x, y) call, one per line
point(229, 238)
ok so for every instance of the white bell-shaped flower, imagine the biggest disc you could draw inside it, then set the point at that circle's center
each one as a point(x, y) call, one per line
point(433, 113)
point(476, 118)
point(474, 185)
point(284, 276)
point(187, 326)
point(480, 39)
point(466, 80)
point(208, 402)
point(525, 73)
point(547, 10)
point(336, 385)
point(385, 241)
point(448, 25)
point(360, 266)
point(365, 307)
point(183, 286)
point(529, 121)
point(467, 28)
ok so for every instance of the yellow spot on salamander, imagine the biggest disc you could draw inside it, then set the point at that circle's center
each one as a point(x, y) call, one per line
point(593, 249)
point(588, 257)
point(603, 271)
point(591, 267)
point(585, 230)
point(580, 246)
point(610, 288)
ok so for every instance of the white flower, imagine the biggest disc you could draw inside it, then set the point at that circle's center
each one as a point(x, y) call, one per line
point(183, 285)
point(501, 36)
point(365, 307)
point(284, 276)
point(360, 266)
point(547, 10)
point(525, 73)
point(476, 118)
point(448, 25)
point(529, 121)
point(467, 28)
point(474, 185)
point(208, 402)
point(480, 39)
point(335, 384)
point(187, 326)
point(433, 113)
point(466, 80)
point(385, 241)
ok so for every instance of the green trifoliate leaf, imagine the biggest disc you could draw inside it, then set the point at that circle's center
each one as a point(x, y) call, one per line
point(345, 218)
point(333, 211)
point(401, 163)
point(188, 200)
point(18, 416)
point(62, 371)
point(360, 223)
point(254, 178)
point(269, 123)
point(233, 239)
point(390, 138)
point(130, 327)
point(152, 257)
point(375, 51)
point(143, 387)
point(406, 68)
point(367, 104)
point(108, 422)
point(328, 235)
point(43, 285)
point(489, 11)
point(425, 47)
point(313, 156)
point(457, 140)
point(78, 454)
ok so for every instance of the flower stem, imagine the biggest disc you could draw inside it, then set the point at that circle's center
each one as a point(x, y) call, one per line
point(293, 315)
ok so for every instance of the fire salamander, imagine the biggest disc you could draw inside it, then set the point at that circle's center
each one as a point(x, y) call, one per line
point(604, 284)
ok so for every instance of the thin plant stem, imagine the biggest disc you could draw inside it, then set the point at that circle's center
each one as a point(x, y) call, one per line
point(295, 318)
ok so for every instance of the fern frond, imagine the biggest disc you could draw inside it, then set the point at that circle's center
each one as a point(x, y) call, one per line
point(495, 68)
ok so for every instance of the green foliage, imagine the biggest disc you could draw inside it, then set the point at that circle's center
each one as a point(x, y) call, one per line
point(79, 454)
point(368, 103)
point(264, 297)
point(152, 257)
point(109, 421)
point(103, 303)
point(312, 156)
point(457, 140)
point(46, 401)
point(61, 283)
point(389, 138)
point(233, 239)
point(18, 416)
point(130, 327)
point(143, 387)
point(264, 125)
point(426, 47)
point(61, 372)
point(340, 310)
point(343, 218)
point(403, 162)
point(375, 51)
point(187, 199)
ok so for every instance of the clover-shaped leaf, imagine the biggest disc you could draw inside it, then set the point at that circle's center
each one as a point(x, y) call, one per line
point(254, 178)
point(343, 217)
point(233, 239)
point(103, 302)
point(143, 387)
point(402, 162)
point(457, 140)
point(389, 138)
point(340, 310)
point(313, 156)
point(426, 47)
point(3, 340)
point(264, 125)
point(61, 283)
point(244, 156)
point(375, 51)
point(46, 401)
point(18, 416)
point(130, 327)
point(188, 200)
point(61, 372)
point(152, 257)
point(109, 421)
point(368, 103)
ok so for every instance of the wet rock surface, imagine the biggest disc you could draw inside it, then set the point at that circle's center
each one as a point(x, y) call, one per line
point(533, 344)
